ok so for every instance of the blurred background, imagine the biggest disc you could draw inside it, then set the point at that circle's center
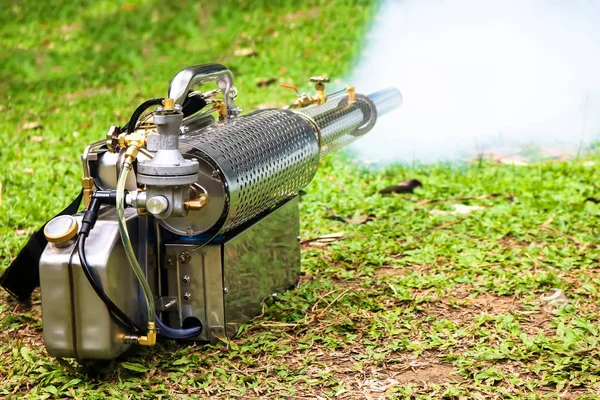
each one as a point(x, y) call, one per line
point(510, 78)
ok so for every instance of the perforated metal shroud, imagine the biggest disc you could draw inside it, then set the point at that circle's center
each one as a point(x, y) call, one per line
point(264, 158)
point(341, 123)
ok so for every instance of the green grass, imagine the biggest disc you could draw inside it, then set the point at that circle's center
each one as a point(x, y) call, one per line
point(408, 305)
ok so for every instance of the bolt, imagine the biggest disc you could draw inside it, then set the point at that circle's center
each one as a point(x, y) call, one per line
point(184, 257)
point(170, 304)
point(190, 231)
point(215, 174)
point(169, 262)
point(225, 290)
point(187, 296)
point(186, 279)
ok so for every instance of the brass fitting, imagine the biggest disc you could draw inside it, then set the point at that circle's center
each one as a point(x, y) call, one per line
point(319, 97)
point(351, 90)
point(150, 338)
point(87, 184)
point(197, 203)
point(133, 142)
point(221, 108)
point(320, 82)
point(168, 104)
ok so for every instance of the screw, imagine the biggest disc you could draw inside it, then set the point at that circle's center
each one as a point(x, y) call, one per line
point(215, 174)
point(169, 262)
point(170, 304)
point(186, 279)
point(187, 296)
point(190, 231)
point(184, 257)
point(225, 290)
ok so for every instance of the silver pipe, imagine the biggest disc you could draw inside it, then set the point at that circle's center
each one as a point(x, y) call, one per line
point(189, 78)
point(386, 100)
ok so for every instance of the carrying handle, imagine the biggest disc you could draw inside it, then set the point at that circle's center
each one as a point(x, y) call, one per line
point(191, 77)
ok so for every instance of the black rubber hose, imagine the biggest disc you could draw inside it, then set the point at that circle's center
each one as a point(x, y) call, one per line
point(130, 127)
point(118, 315)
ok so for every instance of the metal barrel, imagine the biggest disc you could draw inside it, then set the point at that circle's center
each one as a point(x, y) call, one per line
point(251, 165)
point(340, 121)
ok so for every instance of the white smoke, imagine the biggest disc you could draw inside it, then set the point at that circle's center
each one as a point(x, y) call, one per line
point(481, 73)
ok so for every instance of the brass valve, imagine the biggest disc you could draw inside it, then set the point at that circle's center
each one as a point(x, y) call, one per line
point(320, 82)
point(318, 98)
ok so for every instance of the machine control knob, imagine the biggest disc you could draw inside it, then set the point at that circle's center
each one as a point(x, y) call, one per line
point(61, 230)
point(157, 205)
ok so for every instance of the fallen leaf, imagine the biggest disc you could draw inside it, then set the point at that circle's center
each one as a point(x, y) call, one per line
point(322, 241)
point(265, 82)
point(459, 209)
point(69, 28)
point(382, 386)
point(87, 93)
point(402, 187)
point(245, 52)
point(21, 231)
point(315, 12)
point(485, 196)
point(548, 221)
point(266, 106)
point(32, 125)
point(128, 7)
point(360, 220)
point(37, 139)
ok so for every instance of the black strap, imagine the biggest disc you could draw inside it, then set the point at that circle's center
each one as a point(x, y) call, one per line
point(23, 274)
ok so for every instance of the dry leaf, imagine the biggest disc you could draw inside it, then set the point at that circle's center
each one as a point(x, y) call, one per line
point(459, 209)
point(403, 187)
point(265, 82)
point(382, 386)
point(266, 106)
point(128, 7)
point(28, 170)
point(32, 125)
point(245, 52)
point(360, 220)
point(324, 240)
point(21, 231)
point(69, 28)
point(37, 139)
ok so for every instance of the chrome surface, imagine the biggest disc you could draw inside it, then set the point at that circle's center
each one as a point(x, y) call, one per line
point(339, 122)
point(204, 288)
point(223, 285)
point(255, 163)
point(259, 262)
point(386, 100)
point(97, 337)
point(189, 78)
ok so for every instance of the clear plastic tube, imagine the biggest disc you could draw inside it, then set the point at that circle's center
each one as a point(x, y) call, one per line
point(137, 269)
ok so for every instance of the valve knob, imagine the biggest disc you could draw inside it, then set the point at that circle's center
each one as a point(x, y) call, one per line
point(319, 79)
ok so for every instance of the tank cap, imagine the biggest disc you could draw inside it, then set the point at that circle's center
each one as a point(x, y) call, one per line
point(61, 229)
